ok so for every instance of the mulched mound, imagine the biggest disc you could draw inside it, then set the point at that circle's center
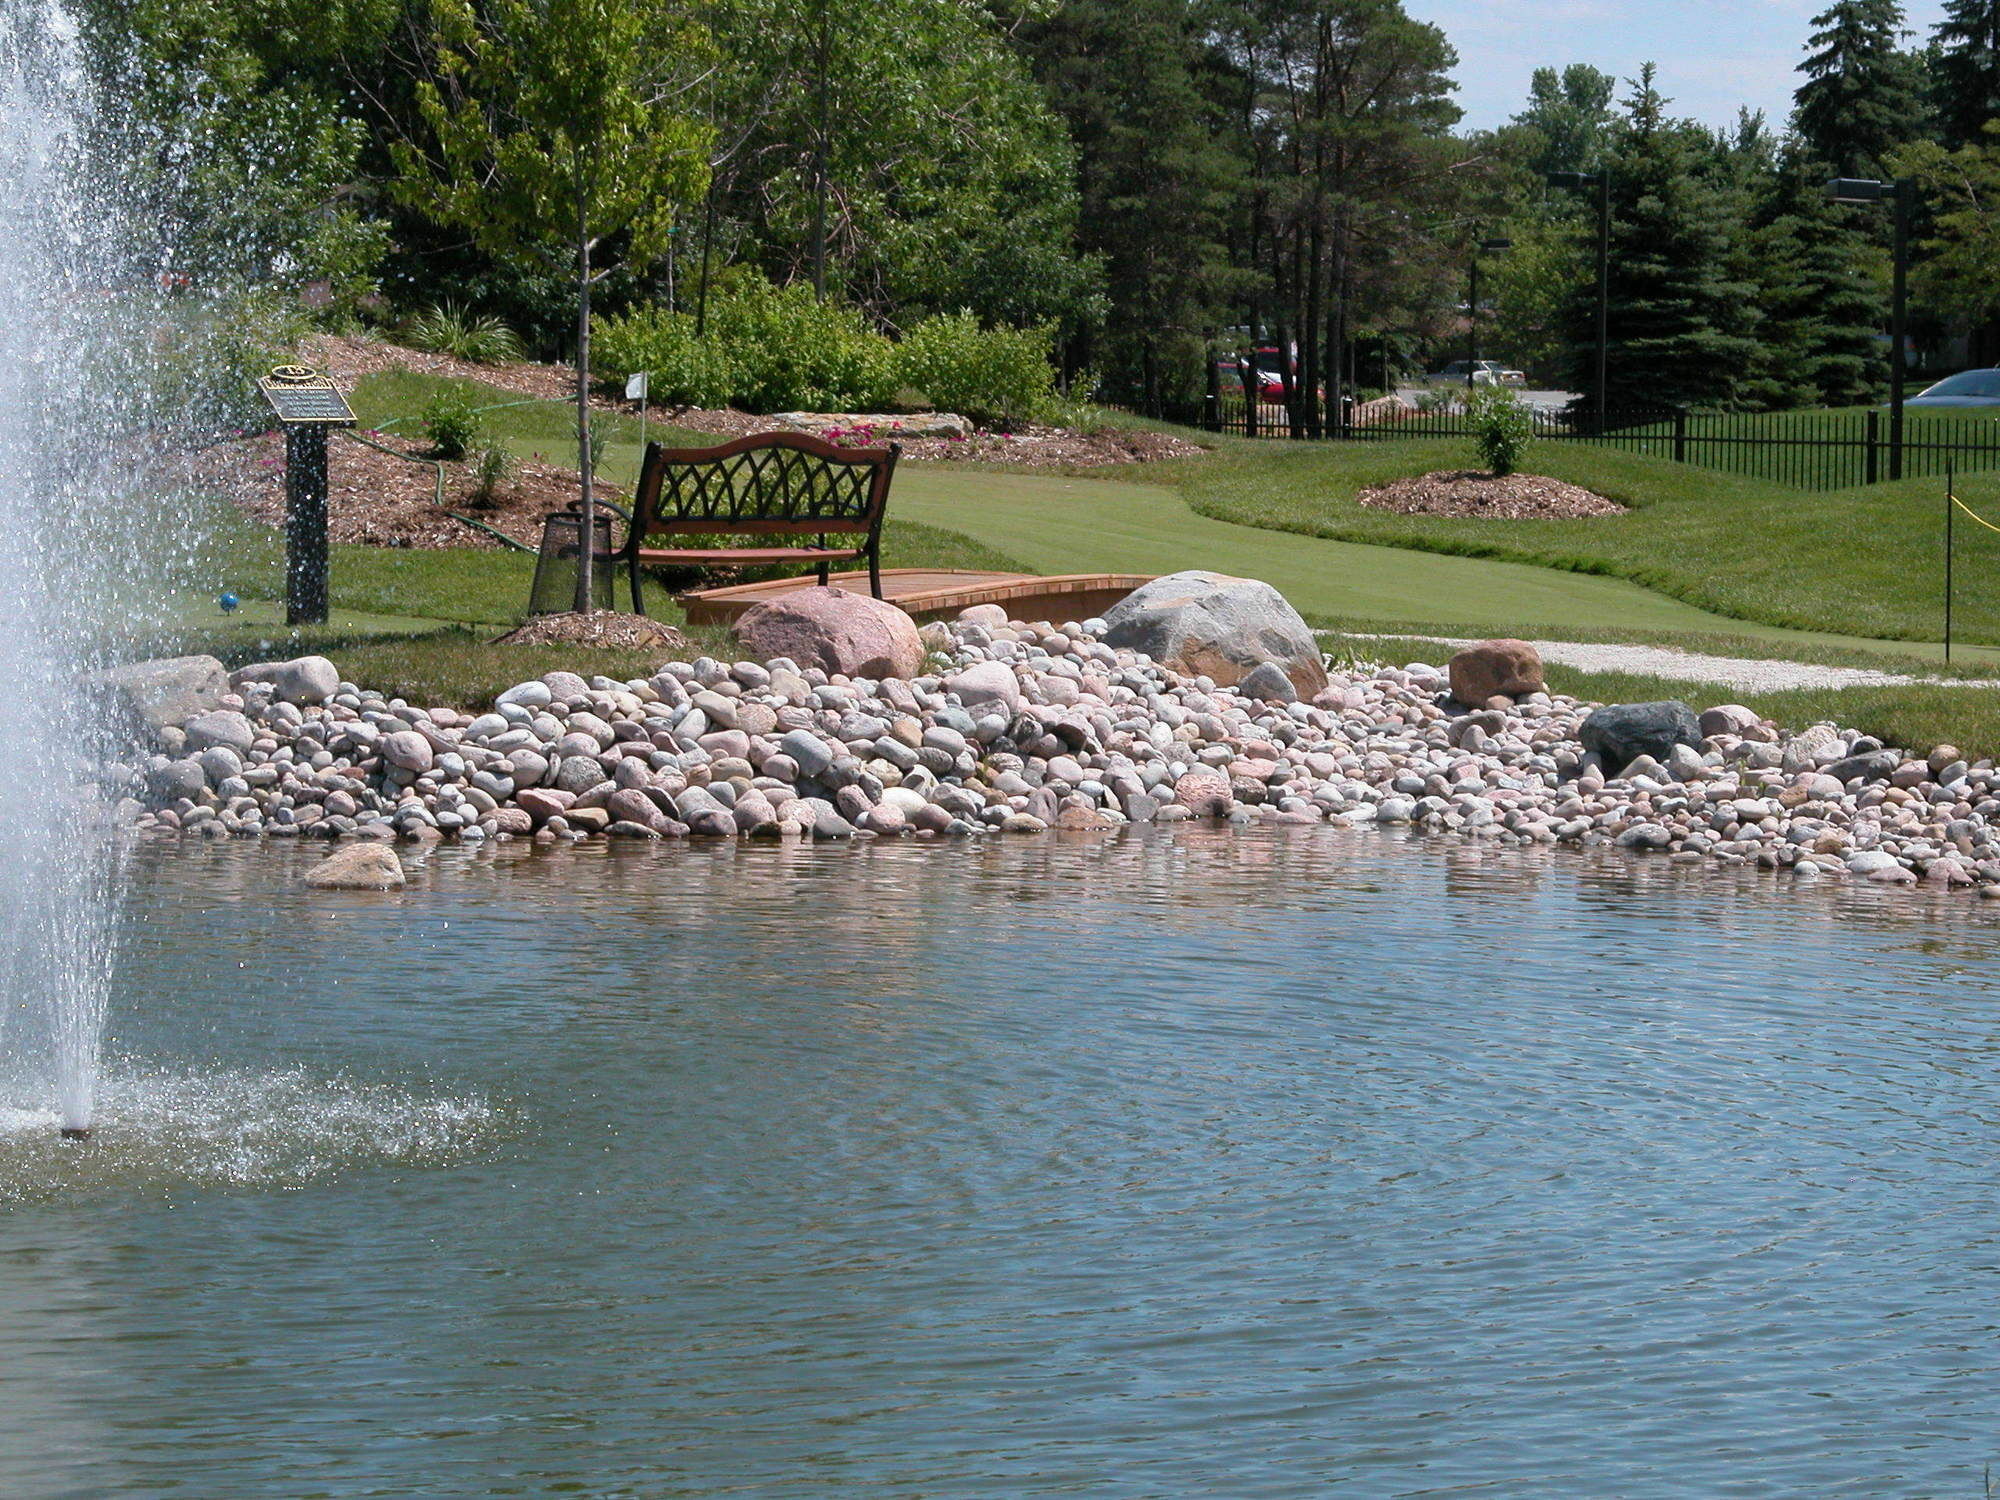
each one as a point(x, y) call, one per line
point(1490, 497)
point(1031, 447)
point(607, 628)
point(377, 500)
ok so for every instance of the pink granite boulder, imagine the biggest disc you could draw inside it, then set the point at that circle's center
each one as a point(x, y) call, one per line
point(835, 631)
point(1496, 669)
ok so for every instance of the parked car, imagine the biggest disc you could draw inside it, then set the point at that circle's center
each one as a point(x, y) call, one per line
point(1270, 382)
point(1967, 388)
point(1490, 372)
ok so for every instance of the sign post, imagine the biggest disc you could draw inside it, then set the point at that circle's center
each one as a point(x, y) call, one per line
point(307, 404)
point(636, 390)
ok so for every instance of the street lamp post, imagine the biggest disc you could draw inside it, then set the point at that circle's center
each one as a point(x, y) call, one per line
point(1899, 194)
point(1601, 180)
point(1479, 247)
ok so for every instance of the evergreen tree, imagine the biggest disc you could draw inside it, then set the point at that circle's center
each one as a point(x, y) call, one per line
point(1822, 269)
point(1683, 321)
point(1862, 96)
point(1156, 184)
point(1965, 69)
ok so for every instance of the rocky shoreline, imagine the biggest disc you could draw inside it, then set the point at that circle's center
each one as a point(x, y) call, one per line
point(1000, 726)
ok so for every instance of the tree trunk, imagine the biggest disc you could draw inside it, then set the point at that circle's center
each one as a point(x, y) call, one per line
point(586, 558)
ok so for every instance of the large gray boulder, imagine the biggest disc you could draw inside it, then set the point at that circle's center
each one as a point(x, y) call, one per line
point(305, 680)
point(1214, 625)
point(155, 695)
point(1619, 733)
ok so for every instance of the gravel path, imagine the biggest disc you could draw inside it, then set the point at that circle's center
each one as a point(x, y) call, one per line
point(1751, 674)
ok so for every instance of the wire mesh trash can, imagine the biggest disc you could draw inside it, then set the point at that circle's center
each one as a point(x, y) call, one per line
point(554, 591)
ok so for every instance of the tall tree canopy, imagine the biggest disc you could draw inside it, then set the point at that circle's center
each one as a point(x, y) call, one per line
point(560, 128)
point(1862, 96)
point(1965, 69)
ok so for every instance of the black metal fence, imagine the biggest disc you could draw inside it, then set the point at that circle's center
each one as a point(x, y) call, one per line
point(1808, 450)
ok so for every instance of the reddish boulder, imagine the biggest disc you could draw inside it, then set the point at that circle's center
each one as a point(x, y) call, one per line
point(1496, 669)
point(835, 631)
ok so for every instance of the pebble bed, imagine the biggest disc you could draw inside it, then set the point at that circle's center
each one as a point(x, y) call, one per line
point(1021, 728)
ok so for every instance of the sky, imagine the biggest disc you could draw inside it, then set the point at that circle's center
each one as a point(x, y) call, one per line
point(1712, 57)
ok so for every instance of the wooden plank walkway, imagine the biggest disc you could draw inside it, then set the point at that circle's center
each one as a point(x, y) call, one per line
point(937, 591)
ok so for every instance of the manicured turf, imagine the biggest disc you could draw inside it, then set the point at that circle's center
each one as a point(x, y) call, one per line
point(1862, 563)
point(1067, 525)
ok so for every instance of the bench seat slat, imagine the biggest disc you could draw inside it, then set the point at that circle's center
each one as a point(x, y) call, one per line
point(745, 556)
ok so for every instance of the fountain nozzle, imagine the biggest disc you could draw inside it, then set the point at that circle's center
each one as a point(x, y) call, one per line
point(76, 1132)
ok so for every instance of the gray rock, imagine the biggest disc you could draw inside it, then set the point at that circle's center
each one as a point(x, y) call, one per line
point(409, 750)
point(222, 726)
point(176, 778)
point(986, 685)
point(306, 679)
point(358, 867)
point(1215, 625)
point(808, 751)
point(1267, 681)
point(220, 763)
point(528, 695)
point(1620, 733)
point(1877, 765)
point(152, 695)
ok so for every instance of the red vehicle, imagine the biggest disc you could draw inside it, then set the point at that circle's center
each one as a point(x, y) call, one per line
point(1269, 368)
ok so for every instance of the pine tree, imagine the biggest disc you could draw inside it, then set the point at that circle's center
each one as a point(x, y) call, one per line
point(1862, 97)
point(1683, 321)
point(1965, 70)
point(1156, 185)
point(1821, 266)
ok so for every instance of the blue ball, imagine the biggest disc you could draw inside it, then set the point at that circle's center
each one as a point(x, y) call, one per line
point(229, 603)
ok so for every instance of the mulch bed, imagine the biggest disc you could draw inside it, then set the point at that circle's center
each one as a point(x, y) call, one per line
point(1479, 495)
point(609, 629)
point(377, 500)
point(1031, 447)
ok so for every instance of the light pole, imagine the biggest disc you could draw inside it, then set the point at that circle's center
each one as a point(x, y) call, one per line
point(1479, 247)
point(1899, 193)
point(1601, 180)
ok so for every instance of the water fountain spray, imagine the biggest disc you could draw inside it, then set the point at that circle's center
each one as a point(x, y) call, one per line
point(59, 294)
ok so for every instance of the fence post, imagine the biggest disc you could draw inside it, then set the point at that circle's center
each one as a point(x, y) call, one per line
point(1212, 395)
point(1874, 444)
point(1680, 437)
point(1247, 368)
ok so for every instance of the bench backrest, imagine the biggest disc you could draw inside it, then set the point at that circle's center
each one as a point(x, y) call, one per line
point(772, 482)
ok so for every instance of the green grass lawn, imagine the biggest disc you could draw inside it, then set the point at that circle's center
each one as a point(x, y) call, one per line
point(1864, 563)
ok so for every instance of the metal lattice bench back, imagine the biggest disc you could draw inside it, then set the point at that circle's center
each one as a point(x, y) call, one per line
point(770, 484)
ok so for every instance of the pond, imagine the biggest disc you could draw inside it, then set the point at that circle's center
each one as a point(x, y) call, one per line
point(1285, 1163)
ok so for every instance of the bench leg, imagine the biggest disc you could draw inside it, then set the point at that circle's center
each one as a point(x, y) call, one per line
point(875, 570)
point(638, 600)
point(822, 572)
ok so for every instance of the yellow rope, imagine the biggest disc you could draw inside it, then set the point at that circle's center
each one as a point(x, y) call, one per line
point(1973, 513)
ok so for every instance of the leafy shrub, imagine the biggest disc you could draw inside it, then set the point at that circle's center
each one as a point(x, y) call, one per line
point(1501, 426)
point(793, 352)
point(495, 466)
point(449, 329)
point(767, 349)
point(682, 370)
point(451, 424)
point(988, 374)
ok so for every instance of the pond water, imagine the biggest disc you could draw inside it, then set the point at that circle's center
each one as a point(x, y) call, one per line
point(1283, 1164)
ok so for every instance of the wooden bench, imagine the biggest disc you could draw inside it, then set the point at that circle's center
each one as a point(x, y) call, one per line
point(770, 484)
